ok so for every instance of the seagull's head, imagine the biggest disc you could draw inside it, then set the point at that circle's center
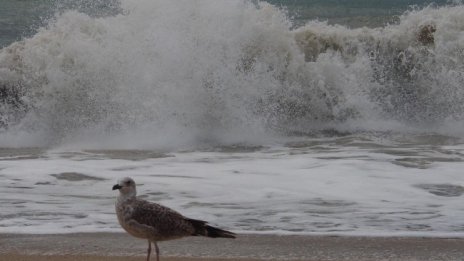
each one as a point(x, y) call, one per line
point(126, 187)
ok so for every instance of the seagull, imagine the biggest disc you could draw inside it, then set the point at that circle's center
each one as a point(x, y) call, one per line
point(154, 222)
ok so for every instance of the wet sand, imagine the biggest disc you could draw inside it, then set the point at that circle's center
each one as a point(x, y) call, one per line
point(12, 257)
point(119, 246)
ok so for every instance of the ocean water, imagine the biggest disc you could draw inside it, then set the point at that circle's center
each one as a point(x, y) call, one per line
point(287, 117)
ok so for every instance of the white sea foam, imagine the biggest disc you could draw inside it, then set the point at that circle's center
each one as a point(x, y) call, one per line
point(193, 78)
point(342, 186)
point(177, 74)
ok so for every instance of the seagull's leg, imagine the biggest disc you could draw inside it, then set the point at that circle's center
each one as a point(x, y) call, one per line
point(157, 251)
point(148, 250)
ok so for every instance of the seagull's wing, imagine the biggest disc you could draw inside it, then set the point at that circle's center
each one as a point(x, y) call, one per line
point(165, 221)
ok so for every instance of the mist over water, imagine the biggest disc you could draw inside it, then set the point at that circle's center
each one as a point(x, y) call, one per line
point(164, 74)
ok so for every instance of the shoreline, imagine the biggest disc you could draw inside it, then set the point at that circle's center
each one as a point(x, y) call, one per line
point(247, 247)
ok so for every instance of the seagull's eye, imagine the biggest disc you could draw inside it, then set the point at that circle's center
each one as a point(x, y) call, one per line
point(128, 182)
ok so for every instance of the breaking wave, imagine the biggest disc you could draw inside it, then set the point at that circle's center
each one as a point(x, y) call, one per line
point(171, 74)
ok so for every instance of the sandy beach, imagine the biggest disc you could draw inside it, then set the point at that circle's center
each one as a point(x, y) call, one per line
point(15, 257)
point(118, 246)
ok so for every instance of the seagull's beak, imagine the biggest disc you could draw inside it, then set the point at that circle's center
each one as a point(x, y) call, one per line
point(115, 187)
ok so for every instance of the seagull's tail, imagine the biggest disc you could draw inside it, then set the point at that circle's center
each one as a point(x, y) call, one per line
point(202, 229)
point(217, 232)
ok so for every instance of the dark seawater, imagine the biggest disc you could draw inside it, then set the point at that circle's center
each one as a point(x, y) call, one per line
point(21, 18)
point(354, 13)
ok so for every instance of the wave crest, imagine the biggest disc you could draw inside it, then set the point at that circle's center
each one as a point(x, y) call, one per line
point(177, 73)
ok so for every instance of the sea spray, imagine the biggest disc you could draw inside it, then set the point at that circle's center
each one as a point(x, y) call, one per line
point(183, 73)
point(225, 87)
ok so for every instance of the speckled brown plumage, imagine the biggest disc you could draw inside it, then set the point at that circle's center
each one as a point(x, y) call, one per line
point(162, 223)
point(155, 222)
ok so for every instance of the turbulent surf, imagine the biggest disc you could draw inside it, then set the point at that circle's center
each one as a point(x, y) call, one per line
point(228, 71)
